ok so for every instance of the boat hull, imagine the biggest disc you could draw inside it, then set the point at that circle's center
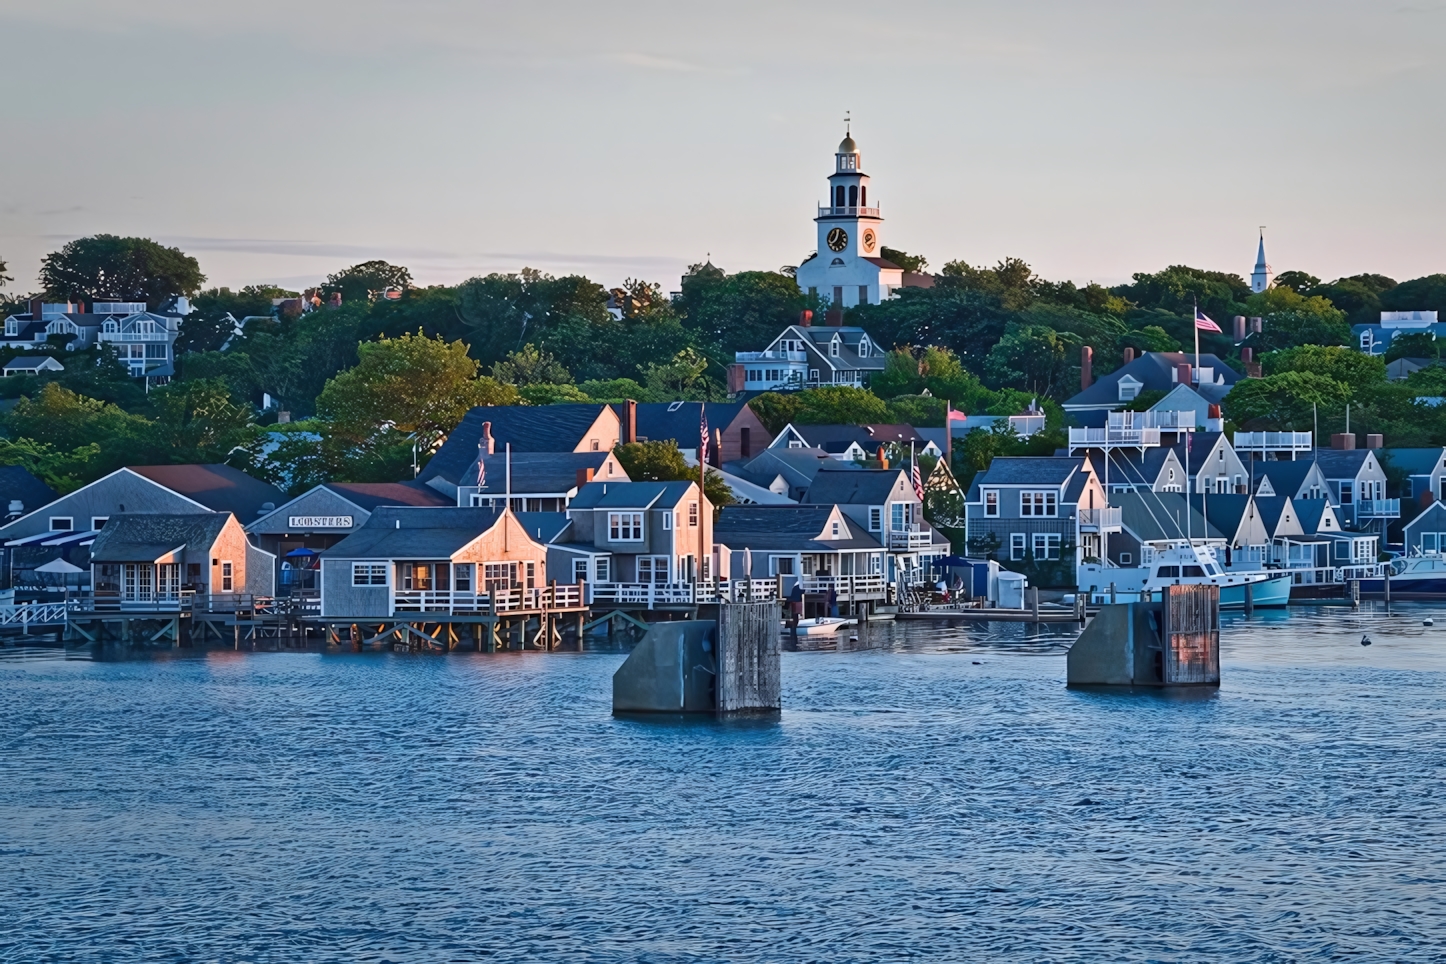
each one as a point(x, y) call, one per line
point(1266, 593)
point(1434, 585)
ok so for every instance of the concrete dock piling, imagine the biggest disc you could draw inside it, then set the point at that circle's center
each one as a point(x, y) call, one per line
point(724, 665)
point(1175, 642)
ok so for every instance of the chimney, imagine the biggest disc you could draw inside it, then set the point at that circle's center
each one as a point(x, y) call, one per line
point(1343, 442)
point(1374, 442)
point(584, 476)
point(883, 460)
point(1086, 367)
point(1129, 355)
point(335, 300)
point(737, 379)
point(805, 318)
point(715, 454)
point(1256, 324)
point(489, 444)
point(37, 308)
point(1213, 412)
point(1182, 373)
point(283, 418)
point(1239, 328)
point(16, 510)
point(80, 307)
point(630, 421)
point(1247, 354)
point(834, 317)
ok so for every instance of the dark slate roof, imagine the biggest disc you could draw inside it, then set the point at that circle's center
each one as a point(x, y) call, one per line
point(1201, 445)
point(1271, 507)
point(629, 495)
point(218, 487)
point(1127, 465)
point(131, 537)
point(660, 421)
point(1029, 470)
point(1337, 464)
point(1427, 515)
point(785, 527)
point(797, 466)
point(544, 526)
point(1156, 516)
point(1309, 512)
point(409, 532)
point(835, 438)
point(16, 483)
point(1286, 478)
point(369, 495)
point(1413, 461)
point(819, 336)
point(530, 428)
point(1153, 369)
point(1224, 511)
point(893, 433)
point(856, 487)
point(534, 472)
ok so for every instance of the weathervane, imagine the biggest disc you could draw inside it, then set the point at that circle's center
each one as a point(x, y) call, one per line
point(848, 124)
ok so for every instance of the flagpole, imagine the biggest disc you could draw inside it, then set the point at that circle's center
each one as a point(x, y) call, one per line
point(1195, 323)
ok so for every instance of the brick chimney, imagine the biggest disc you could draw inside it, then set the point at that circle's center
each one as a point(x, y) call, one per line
point(715, 449)
point(737, 378)
point(630, 421)
point(805, 318)
point(1129, 355)
point(1247, 354)
point(1374, 442)
point(37, 308)
point(1239, 328)
point(488, 442)
point(1086, 367)
point(584, 476)
point(1344, 442)
point(883, 460)
point(1182, 373)
point(834, 317)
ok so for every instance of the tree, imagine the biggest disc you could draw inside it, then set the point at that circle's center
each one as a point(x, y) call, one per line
point(1283, 401)
point(1418, 294)
point(529, 366)
point(62, 471)
point(678, 378)
point(1297, 281)
point(111, 268)
point(198, 421)
point(964, 320)
point(743, 311)
point(68, 422)
point(1359, 296)
point(1148, 338)
point(915, 263)
point(1012, 280)
point(776, 410)
point(5, 277)
point(365, 281)
point(1345, 365)
point(1417, 344)
point(216, 312)
point(501, 313)
point(840, 405)
point(1034, 358)
point(1180, 288)
point(1294, 319)
point(413, 385)
point(662, 462)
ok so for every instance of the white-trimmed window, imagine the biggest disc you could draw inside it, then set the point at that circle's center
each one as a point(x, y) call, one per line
point(99, 521)
point(1016, 546)
point(579, 569)
point(833, 348)
point(228, 577)
point(1046, 546)
point(462, 574)
point(780, 565)
point(898, 515)
point(652, 568)
point(625, 527)
point(876, 518)
point(1125, 558)
point(833, 530)
point(991, 502)
point(667, 521)
point(692, 515)
point(1041, 502)
point(369, 574)
point(62, 523)
point(602, 566)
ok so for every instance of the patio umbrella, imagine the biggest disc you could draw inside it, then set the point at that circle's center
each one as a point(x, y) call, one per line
point(296, 553)
point(60, 566)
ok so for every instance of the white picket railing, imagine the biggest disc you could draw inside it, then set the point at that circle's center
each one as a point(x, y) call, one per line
point(459, 603)
point(25, 615)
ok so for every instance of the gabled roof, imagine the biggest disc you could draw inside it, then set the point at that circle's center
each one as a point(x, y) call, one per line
point(679, 421)
point(1225, 511)
point(538, 472)
point(219, 488)
point(630, 495)
point(1131, 466)
point(369, 495)
point(797, 466)
point(529, 428)
point(544, 527)
point(1414, 461)
point(834, 438)
point(893, 433)
point(1339, 464)
point(409, 532)
point(853, 487)
point(1030, 470)
point(1201, 445)
point(785, 527)
point(1154, 371)
point(1157, 516)
point(1286, 478)
point(17, 484)
point(1310, 512)
point(133, 537)
point(1271, 509)
point(1426, 515)
point(818, 338)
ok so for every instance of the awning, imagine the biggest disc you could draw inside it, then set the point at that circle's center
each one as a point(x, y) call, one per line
point(73, 538)
point(41, 537)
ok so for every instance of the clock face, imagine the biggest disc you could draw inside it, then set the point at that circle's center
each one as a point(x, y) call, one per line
point(869, 240)
point(838, 239)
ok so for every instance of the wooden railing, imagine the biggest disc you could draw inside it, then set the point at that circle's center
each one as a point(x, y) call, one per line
point(498, 601)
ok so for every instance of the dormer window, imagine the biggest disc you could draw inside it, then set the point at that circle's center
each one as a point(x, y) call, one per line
point(1129, 388)
point(111, 328)
point(12, 327)
point(833, 348)
point(863, 348)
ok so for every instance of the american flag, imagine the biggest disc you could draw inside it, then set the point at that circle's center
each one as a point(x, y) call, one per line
point(914, 474)
point(702, 434)
point(1204, 323)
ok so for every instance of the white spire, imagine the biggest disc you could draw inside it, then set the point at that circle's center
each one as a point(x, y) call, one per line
point(1260, 278)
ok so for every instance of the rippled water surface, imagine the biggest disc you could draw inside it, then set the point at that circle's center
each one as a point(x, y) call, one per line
point(934, 794)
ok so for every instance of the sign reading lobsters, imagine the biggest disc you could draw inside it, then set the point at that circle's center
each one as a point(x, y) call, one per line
point(319, 522)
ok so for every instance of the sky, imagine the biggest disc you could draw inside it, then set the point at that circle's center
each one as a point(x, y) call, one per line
point(278, 142)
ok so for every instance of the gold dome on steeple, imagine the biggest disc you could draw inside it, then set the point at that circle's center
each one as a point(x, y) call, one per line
point(847, 145)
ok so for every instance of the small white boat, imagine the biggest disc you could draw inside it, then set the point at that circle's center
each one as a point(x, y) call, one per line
point(1183, 563)
point(820, 625)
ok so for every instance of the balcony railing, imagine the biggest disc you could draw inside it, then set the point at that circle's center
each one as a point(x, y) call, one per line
point(538, 599)
point(793, 356)
point(825, 211)
point(912, 537)
point(135, 335)
point(1112, 437)
point(1262, 442)
point(649, 594)
point(1100, 520)
point(848, 588)
point(1174, 421)
point(1378, 509)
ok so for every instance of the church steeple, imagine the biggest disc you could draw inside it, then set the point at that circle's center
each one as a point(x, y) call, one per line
point(1261, 277)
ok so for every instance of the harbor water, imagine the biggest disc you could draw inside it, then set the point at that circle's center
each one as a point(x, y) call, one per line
point(929, 792)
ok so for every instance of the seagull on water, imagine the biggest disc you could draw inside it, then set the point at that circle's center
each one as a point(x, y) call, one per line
point(1365, 640)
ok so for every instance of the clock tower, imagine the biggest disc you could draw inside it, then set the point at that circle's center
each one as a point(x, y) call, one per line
point(847, 269)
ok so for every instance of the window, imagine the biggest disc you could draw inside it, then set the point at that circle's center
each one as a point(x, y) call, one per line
point(1125, 558)
point(1169, 572)
point(499, 576)
point(991, 502)
point(781, 565)
point(863, 294)
point(667, 521)
point(61, 523)
point(1129, 388)
point(462, 576)
point(1046, 546)
point(12, 327)
point(603, 568)
point(111, 328)
point(838, 196)
point(897, 516)
point(579, 570)
point(692, 515)
point(864, 348)
point(1195, 571)
point(531, 570)
point(853, 195)
point(674, 406)
point(813, 374)
point(876, 518)
point(1365, 341)
point(1038, 503)
point(652, 568)
point(368, 574)
point(876, 564)
point(833, 348)
point(227, 577)
point(592, 444)
point(1346, 493)
point(625, 526)
point(1016, 546)
point(833, 531)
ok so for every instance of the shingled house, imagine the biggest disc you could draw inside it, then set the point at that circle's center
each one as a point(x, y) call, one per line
point(526, 428)
point(734, 430)
point(817, 545)
point(539, 481)
point(883, 502)
point(145, 561)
